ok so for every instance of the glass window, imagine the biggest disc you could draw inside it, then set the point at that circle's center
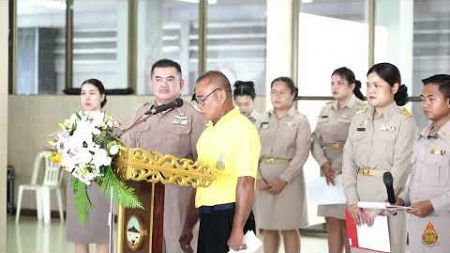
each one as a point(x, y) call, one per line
point(40, 47)
point(414, 36)
point(236, 40)
point(167, 29)
point(342, 41)
point(100, 42)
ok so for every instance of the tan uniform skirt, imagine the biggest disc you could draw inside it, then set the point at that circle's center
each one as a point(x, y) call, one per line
point(96, 228)
point(285, 211)
point(335, 211)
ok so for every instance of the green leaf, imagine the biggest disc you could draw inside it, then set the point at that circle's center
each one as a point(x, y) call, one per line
point(122, 193)
point(82, 202)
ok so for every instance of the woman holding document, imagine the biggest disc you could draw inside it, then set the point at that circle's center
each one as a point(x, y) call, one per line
point(327, 147)
point(380, 139)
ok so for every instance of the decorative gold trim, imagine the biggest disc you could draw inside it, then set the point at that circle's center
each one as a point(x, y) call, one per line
point(140, 165)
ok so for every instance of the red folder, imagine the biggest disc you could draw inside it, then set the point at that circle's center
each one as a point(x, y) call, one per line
point(352, 233)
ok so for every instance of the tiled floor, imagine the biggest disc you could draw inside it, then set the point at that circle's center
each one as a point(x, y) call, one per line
point(31, 236)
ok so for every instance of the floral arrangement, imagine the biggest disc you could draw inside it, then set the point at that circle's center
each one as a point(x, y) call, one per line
point(85, 148)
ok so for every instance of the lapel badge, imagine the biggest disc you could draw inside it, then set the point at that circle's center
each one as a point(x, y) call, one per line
point(430, 235)
point(387, 128)
point(438, 151)
point(291, 124)
point(180, 120)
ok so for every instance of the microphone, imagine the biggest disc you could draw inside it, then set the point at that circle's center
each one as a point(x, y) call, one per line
point(157, 109)
point(388, 182)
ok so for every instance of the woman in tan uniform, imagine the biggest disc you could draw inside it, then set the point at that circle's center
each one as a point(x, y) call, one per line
point(328, 143)
point(244, 97)
point(280, 203)
point(93, 98)
point(380, 139)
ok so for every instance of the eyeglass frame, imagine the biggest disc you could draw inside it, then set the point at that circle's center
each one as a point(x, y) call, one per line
point(201, 101)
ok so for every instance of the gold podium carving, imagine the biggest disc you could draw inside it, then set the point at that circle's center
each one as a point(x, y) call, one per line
point(143, 231)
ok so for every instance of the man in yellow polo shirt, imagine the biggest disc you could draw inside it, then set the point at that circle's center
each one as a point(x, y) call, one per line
point(231, 144)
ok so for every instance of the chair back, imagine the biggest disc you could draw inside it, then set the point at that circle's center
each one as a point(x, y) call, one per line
point(52, 176)
point(37, 166)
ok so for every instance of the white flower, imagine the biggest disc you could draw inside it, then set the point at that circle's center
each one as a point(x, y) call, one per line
point(113, 150)
point(101, 158)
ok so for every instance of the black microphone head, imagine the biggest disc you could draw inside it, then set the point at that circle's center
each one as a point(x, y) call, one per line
point(387, 178)
point(389, 183)
point(179, 102)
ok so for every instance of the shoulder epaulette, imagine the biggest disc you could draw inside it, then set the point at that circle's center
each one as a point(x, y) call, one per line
point(405, 112)
point(363, 108)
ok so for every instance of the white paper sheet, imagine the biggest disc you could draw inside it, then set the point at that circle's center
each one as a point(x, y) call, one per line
point(252, 242)
point(324, 194)
point(381, 205)
point(375, 237)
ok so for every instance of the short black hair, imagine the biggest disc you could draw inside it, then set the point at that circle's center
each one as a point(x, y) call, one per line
point(289, 82)
point(441, 80)
point(166, 63)
point(244, 88)
point(99, 85)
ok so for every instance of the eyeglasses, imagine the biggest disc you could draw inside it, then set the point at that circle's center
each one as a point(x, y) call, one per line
point(161, 79)
point(201, 100)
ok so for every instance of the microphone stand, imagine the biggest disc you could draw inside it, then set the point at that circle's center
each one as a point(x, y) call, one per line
point(111, 222)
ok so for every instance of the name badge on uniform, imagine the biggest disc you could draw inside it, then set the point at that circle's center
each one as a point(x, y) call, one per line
point(180, 120)
point(387, 128)
point(220, 163)
point(438, 151)
point(361, 126)
point(430, 235)
point(291, 124)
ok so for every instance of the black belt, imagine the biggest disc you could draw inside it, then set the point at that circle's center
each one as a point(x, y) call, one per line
point(220, 207)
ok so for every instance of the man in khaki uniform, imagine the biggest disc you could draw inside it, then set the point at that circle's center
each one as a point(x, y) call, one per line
point(428, 190)
point(171, 132)
point(376, 145)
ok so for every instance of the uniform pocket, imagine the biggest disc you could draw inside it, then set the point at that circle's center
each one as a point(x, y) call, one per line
point(437, 172)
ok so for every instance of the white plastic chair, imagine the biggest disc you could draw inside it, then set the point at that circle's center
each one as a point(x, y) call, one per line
point(51, 181)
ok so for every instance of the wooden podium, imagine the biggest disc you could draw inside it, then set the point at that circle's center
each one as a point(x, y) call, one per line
point(141, 230)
